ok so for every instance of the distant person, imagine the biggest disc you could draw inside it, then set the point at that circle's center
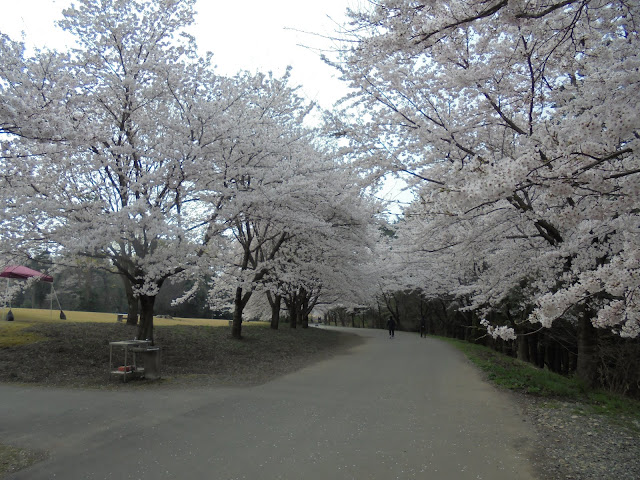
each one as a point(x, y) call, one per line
point(391, 324)
point(423, 327)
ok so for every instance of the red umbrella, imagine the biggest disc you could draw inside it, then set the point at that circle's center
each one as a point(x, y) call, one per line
point(23, 273)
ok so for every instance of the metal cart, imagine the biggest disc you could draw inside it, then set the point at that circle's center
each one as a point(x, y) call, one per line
point(129, 367)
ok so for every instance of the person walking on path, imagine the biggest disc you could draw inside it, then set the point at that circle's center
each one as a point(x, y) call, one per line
point(391, 324)
point(423, 327)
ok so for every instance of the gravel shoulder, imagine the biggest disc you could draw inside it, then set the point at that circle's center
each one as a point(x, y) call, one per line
point(577, 444)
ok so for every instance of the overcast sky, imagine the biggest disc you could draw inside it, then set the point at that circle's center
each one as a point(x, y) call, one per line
point(263, 35)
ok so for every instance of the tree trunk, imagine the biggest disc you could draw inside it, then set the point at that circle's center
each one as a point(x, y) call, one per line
point(293, 315)
point(133, 313)
point(475, 329)
point(565, 361)
point(532, 342)
point(304, 311)
point(557, 358)
point(275, 302)
point(587, 342)
point(145, 327)
point(132, 301)
point(236, 328)
point(542, 353)
point(523, 348)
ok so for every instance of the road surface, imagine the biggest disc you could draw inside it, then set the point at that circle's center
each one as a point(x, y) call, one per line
point(402, 408)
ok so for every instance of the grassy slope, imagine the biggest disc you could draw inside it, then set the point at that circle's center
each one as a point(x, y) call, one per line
point(75, 352)
point(515, 375)
point(18, 332)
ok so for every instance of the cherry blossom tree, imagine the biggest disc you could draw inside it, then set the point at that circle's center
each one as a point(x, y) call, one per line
point(299, 207)
point(517, 122)
point(130, 148)
point(99, 161)
point(328, 265)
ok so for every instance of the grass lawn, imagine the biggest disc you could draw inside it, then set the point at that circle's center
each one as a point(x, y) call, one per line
point(18, 332)
point(40, 348)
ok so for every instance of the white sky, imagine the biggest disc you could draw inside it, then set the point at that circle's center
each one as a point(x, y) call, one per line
point(262, 35)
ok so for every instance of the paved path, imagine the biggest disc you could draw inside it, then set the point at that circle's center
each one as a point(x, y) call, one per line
point(403, 408)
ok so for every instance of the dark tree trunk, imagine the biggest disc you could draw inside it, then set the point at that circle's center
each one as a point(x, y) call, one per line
point(145, 326)
point(533, 348)
point(304, 309)
point(542, 355)
point(587, 343)
point(238, 304)
point(133, 313)
point(293, 312)
point(465, 333)
point(549, 357)
point(132, 301)
point(523, 348)
point(275, 302)
point(565, 361)
point(475, 328)
point(557, 358)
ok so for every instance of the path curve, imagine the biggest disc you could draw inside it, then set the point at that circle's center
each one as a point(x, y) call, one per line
point(402, 408)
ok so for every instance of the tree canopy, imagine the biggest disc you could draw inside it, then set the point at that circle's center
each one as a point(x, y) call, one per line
point(517, 123)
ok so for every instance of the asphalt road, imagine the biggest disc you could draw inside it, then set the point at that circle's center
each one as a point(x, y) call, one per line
point(402, 408)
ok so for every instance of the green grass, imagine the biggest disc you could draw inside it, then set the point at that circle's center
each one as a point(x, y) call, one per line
point(194, 352)
point(523, 377)
point(39, 315)
point(13, 334)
